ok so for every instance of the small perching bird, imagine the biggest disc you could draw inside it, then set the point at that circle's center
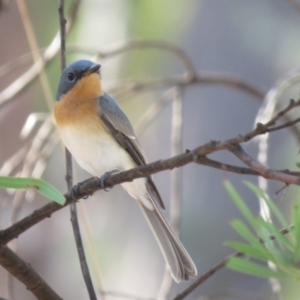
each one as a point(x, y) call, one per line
point(99, 135)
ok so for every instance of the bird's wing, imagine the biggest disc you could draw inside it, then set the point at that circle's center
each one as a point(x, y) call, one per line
point(118, 124)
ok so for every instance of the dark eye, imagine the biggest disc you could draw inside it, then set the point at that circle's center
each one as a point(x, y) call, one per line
point(71, 77)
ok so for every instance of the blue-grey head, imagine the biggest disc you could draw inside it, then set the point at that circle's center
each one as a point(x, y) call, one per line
point(73, 73)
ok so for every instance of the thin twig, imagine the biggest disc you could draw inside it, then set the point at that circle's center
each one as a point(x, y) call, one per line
point(28, 77)
point(16, 63)
point(191, 77)
point(29, 163)
point(266, 172)
point(11, 163)
point(35, 50)
point(69, 176)
point(152, 112)
point(120, 47)
point(285, 125)
point(94, 257)
point(271, 99)
point(201, 78)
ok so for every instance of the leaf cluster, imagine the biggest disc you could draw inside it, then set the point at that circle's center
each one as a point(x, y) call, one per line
point(265, 243)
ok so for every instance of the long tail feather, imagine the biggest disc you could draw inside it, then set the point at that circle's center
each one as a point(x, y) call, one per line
point(179, 261)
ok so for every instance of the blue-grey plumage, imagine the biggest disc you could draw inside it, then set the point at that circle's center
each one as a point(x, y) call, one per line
point(101, 138)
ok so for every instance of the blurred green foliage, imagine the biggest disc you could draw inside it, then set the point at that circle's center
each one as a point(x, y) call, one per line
point(265, 242)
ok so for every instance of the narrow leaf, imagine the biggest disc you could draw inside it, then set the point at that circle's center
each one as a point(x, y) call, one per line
point(239, 202)
point(249, 250)
point(41, 186)
point(278, 257)
point(274, 209)
point(243, 230)
point(253, 269)
point(280, 238)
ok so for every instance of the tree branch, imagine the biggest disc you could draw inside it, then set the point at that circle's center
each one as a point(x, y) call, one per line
point(26, 274)
point(264, 171)
point(197, 155)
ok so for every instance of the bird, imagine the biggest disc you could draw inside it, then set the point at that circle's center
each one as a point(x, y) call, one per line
point(100, 137)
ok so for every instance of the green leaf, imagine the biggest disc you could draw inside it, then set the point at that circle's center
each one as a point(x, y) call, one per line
point(278, 257)
point(274, 209)
point(41, 186)
point(249, 250)
point(280, 238)
point(253, 269)
point(239, 202)
point(243, 230)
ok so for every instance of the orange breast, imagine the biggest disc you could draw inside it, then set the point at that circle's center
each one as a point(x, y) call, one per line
point(79, 107)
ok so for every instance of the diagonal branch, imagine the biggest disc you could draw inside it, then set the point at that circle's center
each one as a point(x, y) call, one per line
point(195, 156)
point(264, 171)
point(26, 274)
point(92, 185)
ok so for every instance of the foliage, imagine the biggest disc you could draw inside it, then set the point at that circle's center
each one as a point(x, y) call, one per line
point(41, 186)
point(265, 242)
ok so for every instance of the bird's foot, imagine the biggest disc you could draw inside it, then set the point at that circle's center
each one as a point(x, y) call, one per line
point(102, 179)
point(75, 191)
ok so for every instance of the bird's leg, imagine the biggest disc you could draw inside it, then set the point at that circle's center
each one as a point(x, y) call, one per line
point(102, 179)
point(75, 189)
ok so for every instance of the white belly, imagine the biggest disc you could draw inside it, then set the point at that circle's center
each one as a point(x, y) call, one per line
point(100, 153)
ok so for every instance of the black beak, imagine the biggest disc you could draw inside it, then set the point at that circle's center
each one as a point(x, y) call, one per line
point(93, 69)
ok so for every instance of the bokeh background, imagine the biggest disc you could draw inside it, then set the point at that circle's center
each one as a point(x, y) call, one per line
point(256, 40)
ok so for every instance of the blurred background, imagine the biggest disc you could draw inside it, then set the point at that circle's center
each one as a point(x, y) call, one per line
point(257, 41)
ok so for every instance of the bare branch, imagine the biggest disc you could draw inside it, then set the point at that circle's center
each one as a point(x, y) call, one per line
point(202, 78)
point(122, 47)
point(26, 274)
point(35, 50)
point(191, 77)
point(285, 125)
point(91, 185)
point(266, 172)
point(153, 111)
